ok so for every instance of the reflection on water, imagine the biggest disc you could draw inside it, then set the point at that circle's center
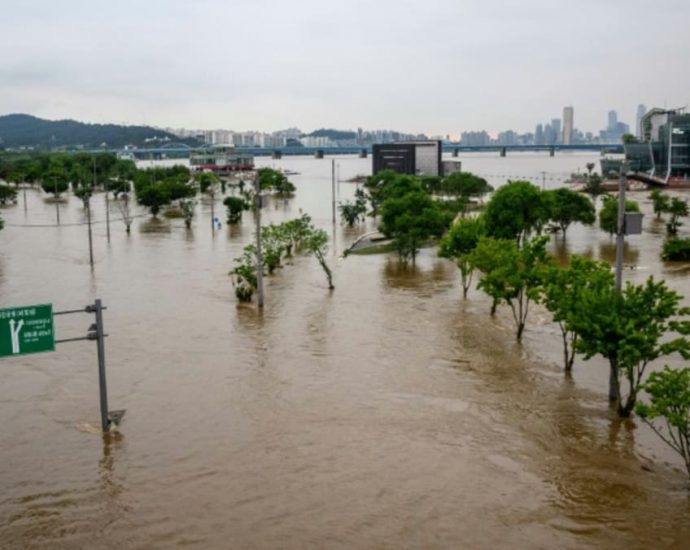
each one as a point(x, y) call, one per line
point(631, 254)
point(155, 225)
point(389, 413)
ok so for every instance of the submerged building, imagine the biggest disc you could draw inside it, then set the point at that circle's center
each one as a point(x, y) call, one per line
point(664, 149)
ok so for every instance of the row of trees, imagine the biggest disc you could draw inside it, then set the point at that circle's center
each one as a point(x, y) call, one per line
point(279, 241)
point(630, 329)
point(155, 188)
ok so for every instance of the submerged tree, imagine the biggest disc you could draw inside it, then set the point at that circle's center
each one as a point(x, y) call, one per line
point(630, 329)
point(7, 194)
point(244, 274)
point(459, 243)
point(316, 244)
point(568, 207)
point(411, 220)
point(516, 210)
point(512, 275)
point(677, 208)
point(235, 206)
point(187, 206)
point(669, 399)
point(660, 202)
point(562, 290)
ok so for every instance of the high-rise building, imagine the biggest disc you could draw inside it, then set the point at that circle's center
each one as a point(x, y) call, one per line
point(613, 120)
point(641, 111)
point(567, 125)
point(556, 129)
point(539, 135)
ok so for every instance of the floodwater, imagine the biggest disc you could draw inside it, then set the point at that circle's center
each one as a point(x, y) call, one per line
point(389, 413)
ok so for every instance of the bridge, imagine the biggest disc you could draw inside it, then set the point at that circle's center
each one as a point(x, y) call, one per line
point(180, 150)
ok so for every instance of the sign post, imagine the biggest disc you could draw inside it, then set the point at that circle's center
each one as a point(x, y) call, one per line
point(25, 330)
point(30, 329)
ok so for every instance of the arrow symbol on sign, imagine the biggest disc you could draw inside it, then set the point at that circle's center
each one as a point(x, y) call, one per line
point(14, 332)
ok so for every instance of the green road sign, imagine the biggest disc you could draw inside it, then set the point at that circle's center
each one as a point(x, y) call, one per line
point(27, 329)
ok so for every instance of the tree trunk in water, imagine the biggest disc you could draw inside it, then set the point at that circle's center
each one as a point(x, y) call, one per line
point(625, 410)
point(494, 304)
point(566, 362)
point(521, 328)
point(614, 387)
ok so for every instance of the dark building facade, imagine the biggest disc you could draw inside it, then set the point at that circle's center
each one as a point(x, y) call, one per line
point(422, 158)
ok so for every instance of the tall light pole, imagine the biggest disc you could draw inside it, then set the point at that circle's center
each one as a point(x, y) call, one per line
point(57, 202)
point(259, 257)
point(614, 393)
point(620, 227)
point(333, 186)
point(88, 217)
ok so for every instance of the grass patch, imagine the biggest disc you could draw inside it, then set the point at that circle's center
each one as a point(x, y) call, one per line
point(374, 249)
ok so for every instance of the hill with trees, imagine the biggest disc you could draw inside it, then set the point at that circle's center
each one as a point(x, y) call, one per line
point(26, 131)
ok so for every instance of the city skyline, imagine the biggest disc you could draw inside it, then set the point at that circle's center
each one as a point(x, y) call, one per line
point(437, 69)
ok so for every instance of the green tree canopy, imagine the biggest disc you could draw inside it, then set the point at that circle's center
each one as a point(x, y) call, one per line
point(669, 399)
point(7, 194)
point(459, 243)
point(235, 206)
point(660, 202)
point(411, 220)
point(512, 275)
point(516, 210)
point(563, 288)
point(568, 207)
point(677, 208)
point(275, 181)
point(630, 329)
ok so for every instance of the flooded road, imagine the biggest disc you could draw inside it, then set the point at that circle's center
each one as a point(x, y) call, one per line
point(389, 413)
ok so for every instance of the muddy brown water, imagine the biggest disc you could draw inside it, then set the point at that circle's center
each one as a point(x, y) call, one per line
point(390, 413)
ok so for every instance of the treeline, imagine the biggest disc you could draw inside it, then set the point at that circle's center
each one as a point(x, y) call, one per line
point(504, 247)
point(19, 130)
point(155, 188)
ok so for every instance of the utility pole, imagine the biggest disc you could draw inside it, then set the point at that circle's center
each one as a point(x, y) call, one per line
point(620, 227)
point(333, 186)
point(107, 207)
point(212, 194)
point(57, 203)
point(614, 392)
point(88, 217)
point(259, 257)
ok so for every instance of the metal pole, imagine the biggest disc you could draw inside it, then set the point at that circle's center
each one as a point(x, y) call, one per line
point(333, 186)
point(259, 257)
point(100, 341)
point(107, 210)
point(57, 203)
point(338, 181)
point(213, 217)
point(88, 217)
point(620, 228)
point(620, 241)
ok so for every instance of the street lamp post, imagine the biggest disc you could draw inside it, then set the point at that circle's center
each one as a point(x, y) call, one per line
point(57, 202)
point(259, 257)
point(620, 243)
point(620, 227)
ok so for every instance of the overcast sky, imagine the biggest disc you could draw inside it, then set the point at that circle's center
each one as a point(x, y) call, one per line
point(433, 66)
